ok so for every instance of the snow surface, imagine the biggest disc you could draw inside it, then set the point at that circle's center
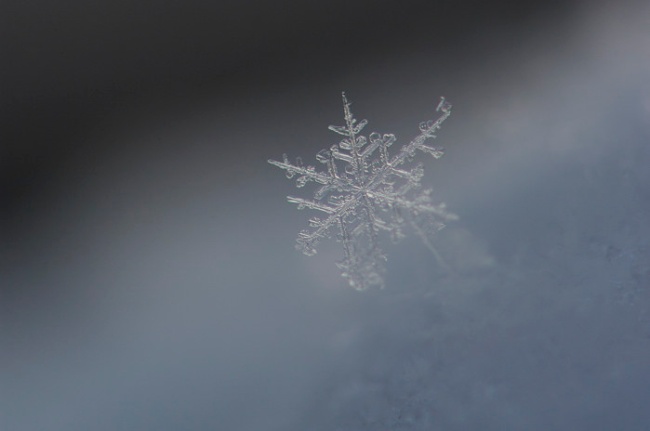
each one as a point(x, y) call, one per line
point(162, 292)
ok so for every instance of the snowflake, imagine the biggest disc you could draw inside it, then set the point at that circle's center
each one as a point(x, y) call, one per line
point(371, 194)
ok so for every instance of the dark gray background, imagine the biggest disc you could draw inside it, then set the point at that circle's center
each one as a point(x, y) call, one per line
point(148, 279)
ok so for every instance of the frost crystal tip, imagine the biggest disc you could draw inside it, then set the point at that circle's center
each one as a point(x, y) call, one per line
point(364, 191)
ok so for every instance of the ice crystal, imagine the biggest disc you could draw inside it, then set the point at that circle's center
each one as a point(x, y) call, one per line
point(373, 193)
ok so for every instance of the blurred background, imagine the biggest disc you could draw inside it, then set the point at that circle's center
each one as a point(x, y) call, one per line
point(148, 279)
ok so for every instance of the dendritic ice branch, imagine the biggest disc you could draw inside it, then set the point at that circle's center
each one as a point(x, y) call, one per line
point(364, 191)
